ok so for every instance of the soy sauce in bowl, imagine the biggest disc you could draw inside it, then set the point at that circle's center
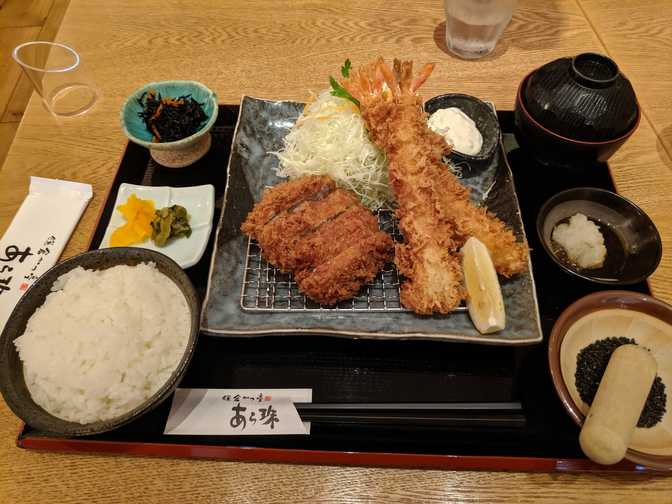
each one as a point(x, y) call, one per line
point(632, 241)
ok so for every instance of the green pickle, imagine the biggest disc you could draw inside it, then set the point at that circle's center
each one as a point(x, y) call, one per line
point(170, 222)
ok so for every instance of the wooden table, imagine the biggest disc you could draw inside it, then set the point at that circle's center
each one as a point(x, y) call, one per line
point(284, 49)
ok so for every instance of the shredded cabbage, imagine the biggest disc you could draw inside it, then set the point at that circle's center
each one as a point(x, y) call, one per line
point(330, 138)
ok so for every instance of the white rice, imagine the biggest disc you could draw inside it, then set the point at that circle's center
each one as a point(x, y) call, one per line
point(104, 341)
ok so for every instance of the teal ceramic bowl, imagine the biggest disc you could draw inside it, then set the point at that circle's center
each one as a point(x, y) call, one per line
point(181, 152)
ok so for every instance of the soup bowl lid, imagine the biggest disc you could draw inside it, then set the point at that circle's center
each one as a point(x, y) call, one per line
point(584, 98)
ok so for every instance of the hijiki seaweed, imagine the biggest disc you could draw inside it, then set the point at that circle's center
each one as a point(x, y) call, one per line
point(171, 119)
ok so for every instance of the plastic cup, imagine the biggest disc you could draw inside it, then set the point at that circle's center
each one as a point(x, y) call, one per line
point(473, 27)
point(56, 74)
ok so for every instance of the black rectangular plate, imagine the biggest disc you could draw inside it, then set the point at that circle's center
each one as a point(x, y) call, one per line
point(343, 371)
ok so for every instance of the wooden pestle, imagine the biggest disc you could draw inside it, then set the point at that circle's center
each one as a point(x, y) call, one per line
point(618, 403)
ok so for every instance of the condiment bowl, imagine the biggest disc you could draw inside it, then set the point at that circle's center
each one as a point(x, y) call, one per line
point(633, 244)
point(180, 153)
point(479, 112)
point(12, 382)
point(611, 314)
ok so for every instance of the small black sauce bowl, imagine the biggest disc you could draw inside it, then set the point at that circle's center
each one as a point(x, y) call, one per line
point(553, 149)
point(12, 382)
point(479, 112)
point(631, 229)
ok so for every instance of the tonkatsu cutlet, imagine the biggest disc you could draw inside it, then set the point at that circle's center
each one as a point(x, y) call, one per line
point(351, 226)
point(283, 197)
point(343, 274)
point(322, 234)
point(279, 237)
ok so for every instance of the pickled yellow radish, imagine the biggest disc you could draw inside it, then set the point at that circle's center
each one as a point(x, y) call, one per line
point(484, 302)
point(138, 227)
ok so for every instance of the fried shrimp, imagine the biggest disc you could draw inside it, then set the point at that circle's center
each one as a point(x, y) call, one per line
point(435, 214)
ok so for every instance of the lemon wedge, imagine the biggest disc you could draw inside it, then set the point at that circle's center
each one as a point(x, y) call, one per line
point(485, 302)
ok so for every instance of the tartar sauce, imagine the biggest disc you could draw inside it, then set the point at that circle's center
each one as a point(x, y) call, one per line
point(458, 129)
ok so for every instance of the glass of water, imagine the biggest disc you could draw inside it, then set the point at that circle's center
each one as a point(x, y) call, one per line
point(474, 26)
point(56, 74)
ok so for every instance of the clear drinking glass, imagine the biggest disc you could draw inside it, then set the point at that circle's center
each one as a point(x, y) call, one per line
point(55, 71)
point(474, 26)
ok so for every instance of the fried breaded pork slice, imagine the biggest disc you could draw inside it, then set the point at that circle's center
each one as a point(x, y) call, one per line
point(283, 197)
point(322, 234)
point(280, 237)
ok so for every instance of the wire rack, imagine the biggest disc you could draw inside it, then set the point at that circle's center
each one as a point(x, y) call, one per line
point(267, 289)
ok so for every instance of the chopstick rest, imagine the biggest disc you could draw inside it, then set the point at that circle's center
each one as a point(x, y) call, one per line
point(37, 236)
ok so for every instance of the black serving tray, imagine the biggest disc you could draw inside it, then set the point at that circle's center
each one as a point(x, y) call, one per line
point(398, 397)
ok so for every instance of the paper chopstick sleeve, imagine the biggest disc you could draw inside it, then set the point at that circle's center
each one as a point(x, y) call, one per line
point(37, 236)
